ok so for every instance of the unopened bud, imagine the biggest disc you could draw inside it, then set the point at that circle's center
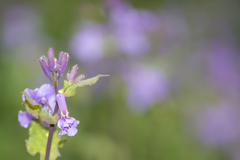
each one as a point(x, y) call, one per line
point(73, 73)
point(44, 63)
point(79, 78)
point(62, 62)
point(51, 60)
point(62, 104)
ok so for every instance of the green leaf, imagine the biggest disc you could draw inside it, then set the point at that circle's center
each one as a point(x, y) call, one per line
point(71, 90)
point(48, 117)
point(37, 141)
point(31, 106)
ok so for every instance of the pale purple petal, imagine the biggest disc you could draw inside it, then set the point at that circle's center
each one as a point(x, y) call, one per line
point(67, 126)
point(45, 91)
point(72, 131)
point(24, 118)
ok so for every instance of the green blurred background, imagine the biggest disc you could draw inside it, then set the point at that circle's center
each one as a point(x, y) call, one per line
point(185, 107)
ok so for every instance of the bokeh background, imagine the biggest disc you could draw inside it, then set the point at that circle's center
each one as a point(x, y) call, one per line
point(174, 89)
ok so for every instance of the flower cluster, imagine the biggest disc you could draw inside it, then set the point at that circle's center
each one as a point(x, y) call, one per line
point(52, 65)
point(47, 96)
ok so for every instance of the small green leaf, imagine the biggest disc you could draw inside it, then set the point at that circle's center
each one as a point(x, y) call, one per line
point(31, 106)
point(48, 117)
point(37, 141)
point(71, 90)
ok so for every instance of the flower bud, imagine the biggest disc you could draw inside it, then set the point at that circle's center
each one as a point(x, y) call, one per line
point(73, 73)
point(44, 63)
point(51, 60)
point(79, 78)
point(62, 62)
point(62, 104)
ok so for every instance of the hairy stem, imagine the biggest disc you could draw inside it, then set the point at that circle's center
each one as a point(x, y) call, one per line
point(52, 126)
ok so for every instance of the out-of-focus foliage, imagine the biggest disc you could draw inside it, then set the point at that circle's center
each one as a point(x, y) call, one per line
point(174, 87)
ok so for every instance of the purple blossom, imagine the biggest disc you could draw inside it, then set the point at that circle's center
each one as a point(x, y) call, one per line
point(62, 104)
point(44, 64)
point(68, 126)
point(62, 62)
point(88, 43)
point(79, 78)
point(130, 28)
point(72, 74)
point(145, 86)
point(47, 92)
point(24, 118)
point(223, 68)
point(219, 125)
point(51, 60)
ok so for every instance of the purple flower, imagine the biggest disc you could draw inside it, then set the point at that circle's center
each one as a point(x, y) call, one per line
point(72, 74)
point(79, 78)
point(44, 64)
point(62, 104)
point(51, 60)
point(24, 118)
point(62, 62)
point(219, 125)
point(130, 28)
point(66, 124)
point(145, 86)
point(223, 68)
point(88, 43)
point(45, 92)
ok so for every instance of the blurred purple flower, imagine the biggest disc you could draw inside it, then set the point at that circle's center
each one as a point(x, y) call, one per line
point(219, 125)
point(145, 86)
point(45, 93)
point(223, 68)
point(130, 28)
point(19, 26)
point(88, 43)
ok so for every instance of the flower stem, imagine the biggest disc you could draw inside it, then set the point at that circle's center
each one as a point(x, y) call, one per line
point(52, 126)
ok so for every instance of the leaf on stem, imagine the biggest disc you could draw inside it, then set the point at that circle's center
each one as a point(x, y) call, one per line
point(70, 90)
point(36, 110)
point(37, 141)
point(31, 106)
point(48, 117)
